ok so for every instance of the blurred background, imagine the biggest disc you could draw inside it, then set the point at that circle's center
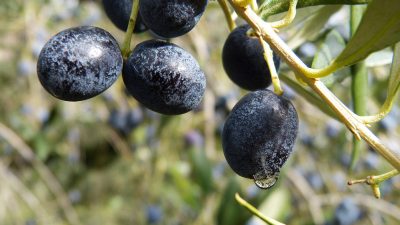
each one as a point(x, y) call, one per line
point(108, 160)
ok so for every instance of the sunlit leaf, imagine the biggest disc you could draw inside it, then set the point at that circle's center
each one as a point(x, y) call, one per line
point(394, 79)
point(272, 7)
point(379, 28)
point(329, 49)
point(379, 58)
point(313, 25)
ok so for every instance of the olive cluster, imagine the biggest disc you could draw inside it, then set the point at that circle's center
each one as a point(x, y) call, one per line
point(82, 62)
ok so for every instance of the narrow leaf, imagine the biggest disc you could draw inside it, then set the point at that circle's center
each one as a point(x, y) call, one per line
point(379, 28)
point(272, 7)
point(329, 49)
point(312, 26)
point(380, 58)
point(394, 79)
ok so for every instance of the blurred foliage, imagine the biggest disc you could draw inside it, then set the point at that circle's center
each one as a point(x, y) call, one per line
point(108, 160)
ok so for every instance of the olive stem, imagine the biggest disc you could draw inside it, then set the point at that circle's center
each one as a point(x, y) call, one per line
point(228, 15)
point(268, 56)
point(385, 109)
point(352, 121)
point(288, 19)
point(375, 181)
point(255, 212)
point(391, 95)
point(126, 48)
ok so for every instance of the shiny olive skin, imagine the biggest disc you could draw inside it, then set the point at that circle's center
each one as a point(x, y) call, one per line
point(79, 63)
point(164, 77)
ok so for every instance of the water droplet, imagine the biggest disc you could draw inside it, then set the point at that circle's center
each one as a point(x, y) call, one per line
point(265, 180)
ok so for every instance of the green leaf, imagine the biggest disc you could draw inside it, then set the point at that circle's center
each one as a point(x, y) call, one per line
point(230, 213)
point(329, 49)
point(394, 79)
point(272, 7)
point(379, 28)
point(314, 21)
point(380, 58)
point(393, 86)
point(202, 169)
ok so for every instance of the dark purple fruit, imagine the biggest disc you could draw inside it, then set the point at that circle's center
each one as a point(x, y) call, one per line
point(243, 60)
point(259, 135)
point(171, 18)
point(119, 12)
point(79, 63)
point(164, 77)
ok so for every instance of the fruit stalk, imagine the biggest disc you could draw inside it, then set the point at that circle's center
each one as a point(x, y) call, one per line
point(268, 55)
point(131, 26)
point(227, 13)
point(356, 126)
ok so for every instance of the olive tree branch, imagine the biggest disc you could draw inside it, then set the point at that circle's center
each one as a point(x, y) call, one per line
point(126, 47)
point(352, 121)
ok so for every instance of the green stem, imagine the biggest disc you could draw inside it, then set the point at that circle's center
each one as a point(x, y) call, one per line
point(126, 48)
point(288, 19)
point(255, 212)
point(272, 7)
point(385, 109)
point(375, 181)
point(268, 57)
point(359, 85)
point(391, 95)
point(227, 13)
point(386, 176)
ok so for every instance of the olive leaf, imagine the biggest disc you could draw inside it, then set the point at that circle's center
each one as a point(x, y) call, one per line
point(272, 7)
point(380, 58)
point(394, 78)
point(311, 24)
point(332, 46)
point(379, 28)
